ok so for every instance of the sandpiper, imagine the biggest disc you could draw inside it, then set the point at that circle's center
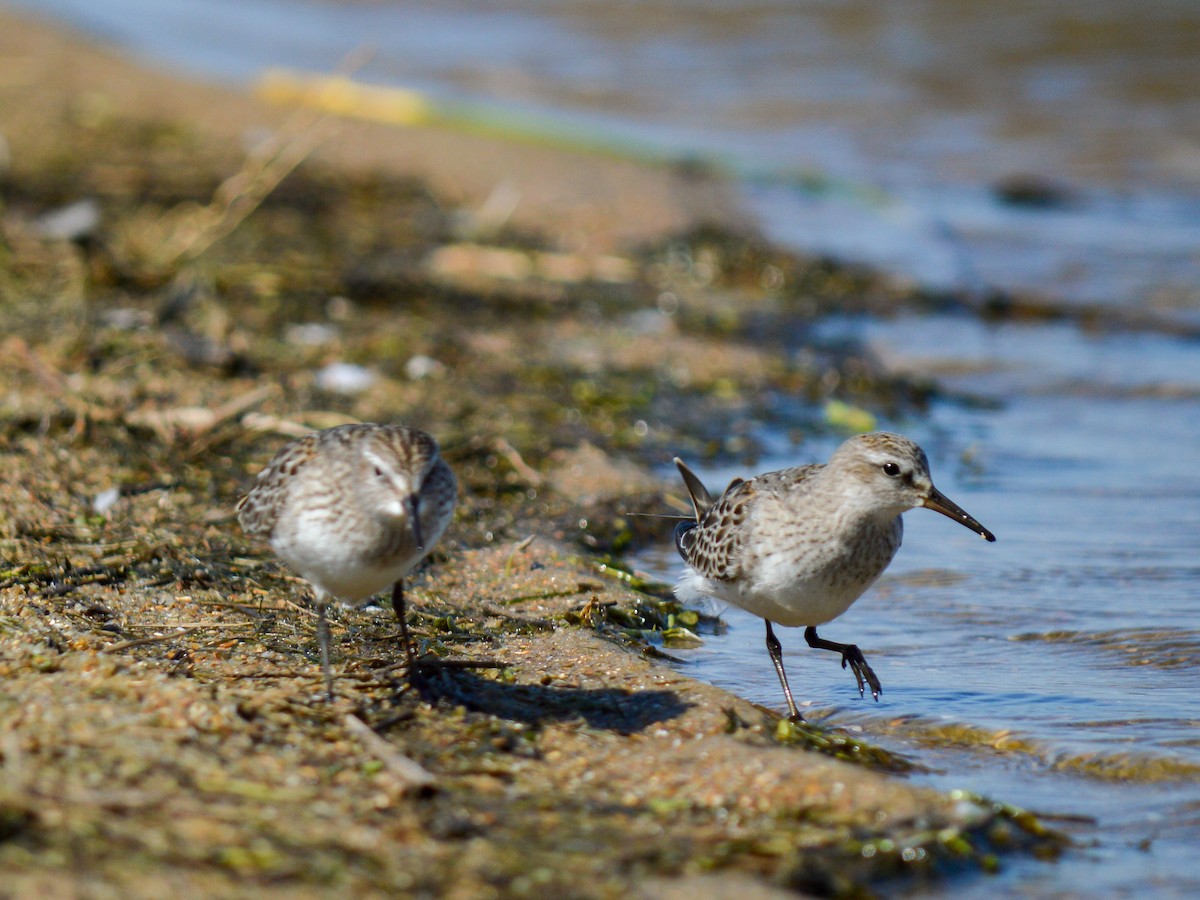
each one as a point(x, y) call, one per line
point(353, 509)
point(798, 546)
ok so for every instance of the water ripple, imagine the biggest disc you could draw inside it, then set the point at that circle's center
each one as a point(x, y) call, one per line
point(1158, 647)
point(933, 733)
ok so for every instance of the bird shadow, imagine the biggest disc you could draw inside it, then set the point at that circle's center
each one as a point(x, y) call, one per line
point(609, 709)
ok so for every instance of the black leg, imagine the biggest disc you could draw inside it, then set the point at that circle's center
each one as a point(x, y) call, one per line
point(399, 608)
point(323, 641)
point(851, 656)
point(776, 652)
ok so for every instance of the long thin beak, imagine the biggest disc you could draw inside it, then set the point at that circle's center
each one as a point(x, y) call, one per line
point(413, 502)
point(939, 502)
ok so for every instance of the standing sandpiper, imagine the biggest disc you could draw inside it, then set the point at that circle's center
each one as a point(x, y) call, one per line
point(798, 546)
point(352, 509)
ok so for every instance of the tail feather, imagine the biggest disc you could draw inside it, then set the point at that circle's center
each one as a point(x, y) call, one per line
point(702, 500)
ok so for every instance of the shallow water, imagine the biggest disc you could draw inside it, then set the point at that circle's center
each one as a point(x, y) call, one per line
point(1056, 667)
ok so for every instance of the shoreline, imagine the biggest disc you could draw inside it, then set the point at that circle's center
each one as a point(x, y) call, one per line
point(163, 714)
point(579, 201)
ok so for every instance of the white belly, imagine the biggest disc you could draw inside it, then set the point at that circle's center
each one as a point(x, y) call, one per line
point(791, 603)
point(341, 571)
point(806, 587)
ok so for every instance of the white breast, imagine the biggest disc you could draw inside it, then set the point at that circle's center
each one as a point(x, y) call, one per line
point(795, 582)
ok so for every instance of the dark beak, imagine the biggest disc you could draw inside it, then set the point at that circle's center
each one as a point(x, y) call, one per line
point(939, 502)
point(414, 514)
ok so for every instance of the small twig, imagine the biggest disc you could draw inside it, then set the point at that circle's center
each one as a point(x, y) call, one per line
point(153, 639)
point(515, 550)
point(412, 773)
point(281, 674)
point(522, 468)
point(240, 194)
point(254, 421)
point(195, 626)
point(303, 610)
point(525, 542)
point(235, 406)
point(255, 611)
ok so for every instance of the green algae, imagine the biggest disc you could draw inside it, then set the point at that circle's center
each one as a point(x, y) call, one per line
point(841, 746)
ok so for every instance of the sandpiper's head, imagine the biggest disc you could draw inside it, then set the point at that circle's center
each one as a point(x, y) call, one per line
point(395, 464)
point(894, 473)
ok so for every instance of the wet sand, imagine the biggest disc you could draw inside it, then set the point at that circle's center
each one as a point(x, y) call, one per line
point(163, 724)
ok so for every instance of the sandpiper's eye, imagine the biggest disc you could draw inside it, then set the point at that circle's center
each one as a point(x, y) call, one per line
point(378, 472)
point(891, 468)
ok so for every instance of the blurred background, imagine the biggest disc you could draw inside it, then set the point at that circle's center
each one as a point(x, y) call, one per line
point(1050, 149)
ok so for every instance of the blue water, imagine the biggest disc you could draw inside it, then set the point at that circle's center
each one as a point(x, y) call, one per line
point(1070, 645)
point(877, 132)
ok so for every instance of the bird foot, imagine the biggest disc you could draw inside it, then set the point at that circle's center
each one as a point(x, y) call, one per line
point(853, 657)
